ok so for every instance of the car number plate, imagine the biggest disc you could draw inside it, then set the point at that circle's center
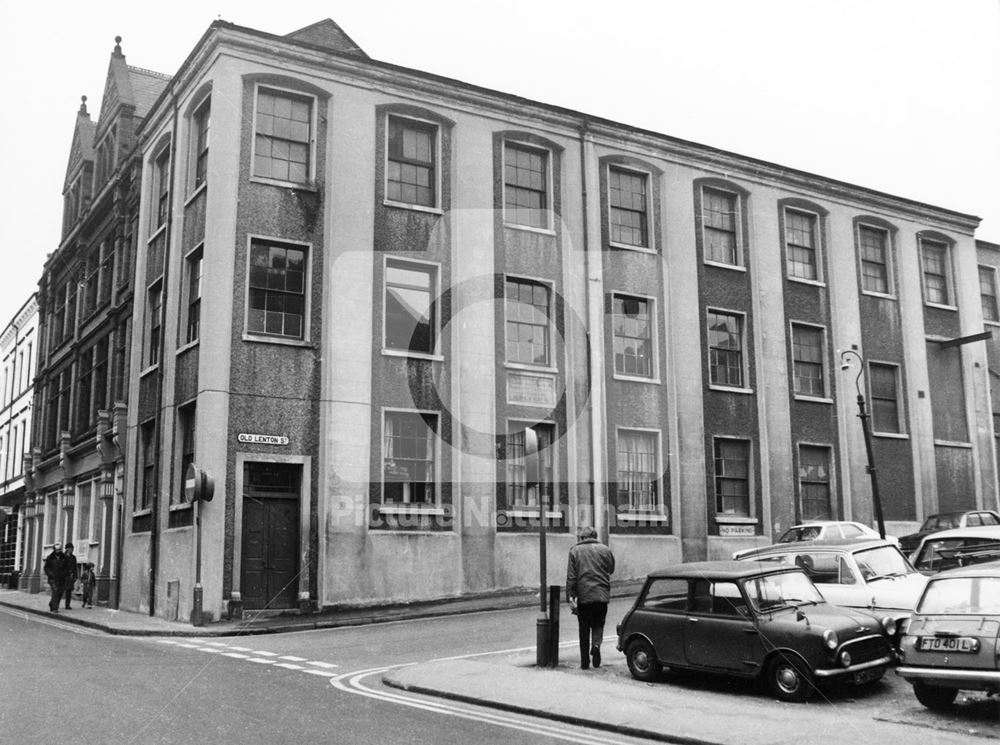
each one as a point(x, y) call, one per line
point(948, 644)
point(867, 676)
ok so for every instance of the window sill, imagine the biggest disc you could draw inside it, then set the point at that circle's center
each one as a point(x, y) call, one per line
point(177, 507)
point(953, 444)
point(991, 323)
point(410, 509)
point(255, 339)
point(630, 247)
point(892, 435)
point(636, 379)
point(523, 367)
point(940, 306)
point(156, 233)
point(148, 370)
point(531, 513)
point(142, 513)
point(730, 389)
point(724, 519)
point(645, 517)
point(412, 355)
point(186, 347)
point(813, 399)
point(721, 265)
point(194, 194)
point(804, 281)
point(529, 228)
point(882, 295)
point(414, 207)
point(299, 185)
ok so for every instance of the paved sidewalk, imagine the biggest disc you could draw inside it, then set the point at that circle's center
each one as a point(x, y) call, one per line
point(128, 623)
point(670, 710)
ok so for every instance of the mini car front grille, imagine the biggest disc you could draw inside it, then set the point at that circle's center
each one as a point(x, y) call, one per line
point(867, 648)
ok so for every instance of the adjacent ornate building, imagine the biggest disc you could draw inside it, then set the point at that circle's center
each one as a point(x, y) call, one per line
point(85, 301)
point(357, 286)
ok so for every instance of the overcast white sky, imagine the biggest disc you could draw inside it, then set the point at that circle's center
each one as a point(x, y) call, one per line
point(902, 96)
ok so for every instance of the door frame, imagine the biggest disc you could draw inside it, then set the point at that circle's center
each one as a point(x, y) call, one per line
point(305, 505)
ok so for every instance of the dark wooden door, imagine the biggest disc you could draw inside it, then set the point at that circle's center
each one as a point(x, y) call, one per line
point(270, 567)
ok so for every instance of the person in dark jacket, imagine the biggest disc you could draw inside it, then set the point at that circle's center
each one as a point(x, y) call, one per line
point(71, 572)
point(588, 590)
point(56, 571)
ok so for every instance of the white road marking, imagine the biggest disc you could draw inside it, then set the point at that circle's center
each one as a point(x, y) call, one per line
point(235, 655)
point(240, 649)
point(265, 654)
point(260, 661)
point(324, 673)
point(321, 664)
point(288, 666)
point(351, 683)
point(292, 658)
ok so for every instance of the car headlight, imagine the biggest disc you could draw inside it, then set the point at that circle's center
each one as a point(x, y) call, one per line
point(889, 625)
point(845, 658)
point(830, 639)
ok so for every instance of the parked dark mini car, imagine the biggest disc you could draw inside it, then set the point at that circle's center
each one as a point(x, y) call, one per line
point(946, 521)
point(952, 640)
point(764, 621)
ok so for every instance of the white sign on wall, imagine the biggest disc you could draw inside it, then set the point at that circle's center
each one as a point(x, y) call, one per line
point(262, 439)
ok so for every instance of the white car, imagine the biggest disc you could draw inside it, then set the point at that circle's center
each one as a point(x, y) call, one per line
point(871, 575)
point(827, 530)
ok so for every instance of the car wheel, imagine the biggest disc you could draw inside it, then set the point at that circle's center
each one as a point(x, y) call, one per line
point(641, 658)
point(788, 678)
point(934, 697)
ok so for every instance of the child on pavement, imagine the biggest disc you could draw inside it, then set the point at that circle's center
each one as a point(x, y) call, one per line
point(87, 582)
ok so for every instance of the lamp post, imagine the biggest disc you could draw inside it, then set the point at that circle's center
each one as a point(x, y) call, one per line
point(532, 478)
point(845, 364)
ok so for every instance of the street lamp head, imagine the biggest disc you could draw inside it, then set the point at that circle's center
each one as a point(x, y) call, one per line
point(845, 366)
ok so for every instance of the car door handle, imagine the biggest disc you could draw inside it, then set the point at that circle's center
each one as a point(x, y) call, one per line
point(692, 620)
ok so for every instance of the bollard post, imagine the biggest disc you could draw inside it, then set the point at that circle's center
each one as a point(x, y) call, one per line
point(555, 592)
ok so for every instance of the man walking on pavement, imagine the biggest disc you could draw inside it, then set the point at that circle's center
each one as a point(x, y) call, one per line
point(56, 570)
point(71, 573)
point(588, 590)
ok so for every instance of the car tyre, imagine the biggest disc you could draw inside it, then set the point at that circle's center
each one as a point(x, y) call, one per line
point(642, 662)
point(788, 678)
point(934, 697)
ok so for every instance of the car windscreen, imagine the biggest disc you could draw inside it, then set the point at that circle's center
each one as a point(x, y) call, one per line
point(961, 595)
point(942, 522)
point(947, 553)
point(805, 533)
point(882, 562)
point(773, 591)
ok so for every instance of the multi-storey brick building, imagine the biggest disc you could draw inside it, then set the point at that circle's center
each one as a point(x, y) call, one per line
point(85, 308)
point(357, 285)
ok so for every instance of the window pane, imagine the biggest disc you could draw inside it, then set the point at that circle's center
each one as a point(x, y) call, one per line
point(527, 314)
point(732, 477)
point(525, 188)
point(283, 136)
point(807, 356)
point(637, 472)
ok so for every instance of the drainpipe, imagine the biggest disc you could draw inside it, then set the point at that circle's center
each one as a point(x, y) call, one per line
point(154, 531)
point(595, 369)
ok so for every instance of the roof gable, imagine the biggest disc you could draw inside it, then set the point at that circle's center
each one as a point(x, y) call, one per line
point(82, 148)
point(328, 35)
point(129, 86)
